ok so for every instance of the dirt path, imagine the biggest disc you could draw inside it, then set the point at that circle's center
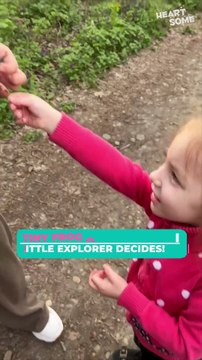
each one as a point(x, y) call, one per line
point(149, 96)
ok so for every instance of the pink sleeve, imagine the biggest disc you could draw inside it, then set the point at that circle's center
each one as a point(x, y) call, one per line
point(103, 160)
point(182, 336)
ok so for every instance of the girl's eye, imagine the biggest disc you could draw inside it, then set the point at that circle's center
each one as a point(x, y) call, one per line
point(174, 177)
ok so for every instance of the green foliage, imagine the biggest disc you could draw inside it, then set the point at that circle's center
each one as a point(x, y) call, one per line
point(57, 42)
point(99, 46)
point(6, 121)
point(188, 30)
point(31, 136)
point(67, 107)
point(109, 35)
point(189, 5)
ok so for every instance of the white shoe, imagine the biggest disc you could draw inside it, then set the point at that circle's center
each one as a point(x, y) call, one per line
point(53, 328)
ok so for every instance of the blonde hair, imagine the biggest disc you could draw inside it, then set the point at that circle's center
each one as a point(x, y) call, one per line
point(193, 154)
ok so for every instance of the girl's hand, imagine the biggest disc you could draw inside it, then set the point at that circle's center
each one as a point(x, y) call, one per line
point(107, 282)
point(10, 74)
point(32, 111)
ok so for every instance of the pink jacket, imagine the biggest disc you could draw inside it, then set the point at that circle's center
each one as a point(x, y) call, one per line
point(163, 298)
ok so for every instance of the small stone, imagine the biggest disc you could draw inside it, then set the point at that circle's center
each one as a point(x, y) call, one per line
point(42, 266)
point(73, 335)
point(107, 355)
point(99, 94)
point(38, 168)
point(140, 137)
point(49, 302)
point(106, 136)
point(27, 278)
point(8, 355)
point(125, 341)
point(75, 301)
point(118, 124)
point(76, 279)
point(77, 192)
point(133, 139)
point(117, 142)
point(43, 217)
point(97, 348)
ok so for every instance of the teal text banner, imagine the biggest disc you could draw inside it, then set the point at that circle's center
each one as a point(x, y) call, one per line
point(100, 244)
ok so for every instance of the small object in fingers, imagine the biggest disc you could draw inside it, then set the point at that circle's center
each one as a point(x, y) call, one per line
point(2, 59)
point(4, 92)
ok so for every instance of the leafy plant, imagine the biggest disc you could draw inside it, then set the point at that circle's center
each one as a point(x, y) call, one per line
point(31, 136)
point(58, 42)
point(67, 107)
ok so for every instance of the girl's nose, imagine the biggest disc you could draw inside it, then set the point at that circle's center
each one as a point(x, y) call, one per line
point(155, 178)
point(157, 183)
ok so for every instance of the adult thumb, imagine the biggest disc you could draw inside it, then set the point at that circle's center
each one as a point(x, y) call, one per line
point(18, 78)
point(21, 99)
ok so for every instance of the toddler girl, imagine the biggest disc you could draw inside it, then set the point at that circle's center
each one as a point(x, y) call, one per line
point(163, 298)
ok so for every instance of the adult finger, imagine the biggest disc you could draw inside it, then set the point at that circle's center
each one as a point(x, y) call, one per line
point(17, 78)
point(8, 64)
point(13, 81)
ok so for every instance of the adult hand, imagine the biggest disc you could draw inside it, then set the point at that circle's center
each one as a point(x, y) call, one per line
point(107, 282)
point(10, 74)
